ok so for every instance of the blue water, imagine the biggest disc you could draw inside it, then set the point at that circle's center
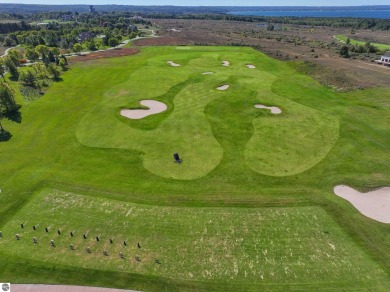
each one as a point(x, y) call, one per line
point(385, 14)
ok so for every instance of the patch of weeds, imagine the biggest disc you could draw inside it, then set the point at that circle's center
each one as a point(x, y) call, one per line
point(30, 94)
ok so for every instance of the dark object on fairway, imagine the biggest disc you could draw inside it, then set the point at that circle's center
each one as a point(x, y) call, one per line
point(105, 253)
point(52, 243)
point(17, 237)
point(59, 232)
point(85, 236)
point(157, 262)
point(47, 229)
point(1, 234)
point(97, 238)
point(177, 158)
point(125, 243)
point(21, 225)
point(139, 246)
point(88, 250)
point(71, 247)
point(111, 241)
point(137, 258)
point(71, 233)
point(35, 240)
point(121, 255)
point(34, 227)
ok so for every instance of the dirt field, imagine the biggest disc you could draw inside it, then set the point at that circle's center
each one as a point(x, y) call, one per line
point(315, 47)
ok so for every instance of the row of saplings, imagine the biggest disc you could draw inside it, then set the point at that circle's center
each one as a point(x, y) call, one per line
point(85, 236)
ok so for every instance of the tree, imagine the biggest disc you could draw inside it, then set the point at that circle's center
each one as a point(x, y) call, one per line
point(54, 71)
point(348, 41)
point(7, 97)
point(1, 117)
point(13, 70)
point(41, 49)
point(9, 42)
point(344, 52)
point(77, 47)
point(113, 42)
point(28, 79)
point(32, 55)
point(7, 104)
point(45, 60)
point(16, 56)
point(270, 26)
point(51, 57)
point(2, 69)
point(55, 51)
point(62, 64)
point(91, 45)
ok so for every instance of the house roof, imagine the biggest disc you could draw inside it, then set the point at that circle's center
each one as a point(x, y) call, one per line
point(386, 55)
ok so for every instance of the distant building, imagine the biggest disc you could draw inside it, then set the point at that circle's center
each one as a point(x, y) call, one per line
point(92, 9)
point(385, 60)
point(84, 36)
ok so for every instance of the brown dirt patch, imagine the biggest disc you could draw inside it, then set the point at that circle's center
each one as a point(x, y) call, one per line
point(120, 52)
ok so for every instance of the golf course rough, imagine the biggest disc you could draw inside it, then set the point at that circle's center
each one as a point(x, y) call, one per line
point(285, 145)
point(259, 245)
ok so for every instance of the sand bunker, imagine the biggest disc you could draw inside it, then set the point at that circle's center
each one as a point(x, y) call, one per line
point(154, 106)
point(374, 204)
point(207, 73)
point(173, 64)
point(223, 87)
point(225, 63)
point(250, 66)
point(275, 110)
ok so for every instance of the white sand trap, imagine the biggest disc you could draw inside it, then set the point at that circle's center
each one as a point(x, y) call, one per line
point(374, 204)
point(155, 107)
point(223, 87)
point(207, 73)
point(275, 110)
point(250, 66)
point(173, 64)
point(225, 63)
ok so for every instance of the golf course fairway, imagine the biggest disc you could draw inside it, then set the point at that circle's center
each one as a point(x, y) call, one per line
point(250, 207)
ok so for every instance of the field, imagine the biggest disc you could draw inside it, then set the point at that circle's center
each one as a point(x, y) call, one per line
point(382, 47)
point(250, 207)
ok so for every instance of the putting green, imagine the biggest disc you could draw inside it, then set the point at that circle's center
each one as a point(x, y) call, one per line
point(280, 146)
point(259, 245)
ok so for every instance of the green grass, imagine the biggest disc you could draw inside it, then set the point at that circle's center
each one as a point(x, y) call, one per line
point(256, 245)
point(74, 140)
point(382, 47)
point(300, 138)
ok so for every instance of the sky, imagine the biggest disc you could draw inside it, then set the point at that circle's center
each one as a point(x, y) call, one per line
point(210, 2)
